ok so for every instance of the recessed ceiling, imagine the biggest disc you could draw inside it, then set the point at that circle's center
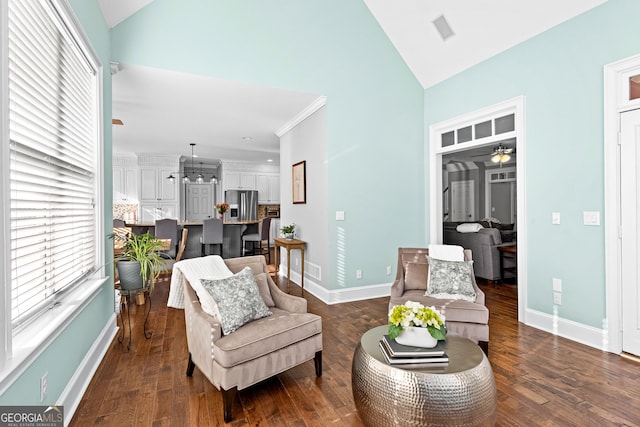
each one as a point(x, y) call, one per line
point(164, 111)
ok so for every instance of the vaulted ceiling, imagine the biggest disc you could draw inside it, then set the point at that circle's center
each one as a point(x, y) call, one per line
point(436, 38)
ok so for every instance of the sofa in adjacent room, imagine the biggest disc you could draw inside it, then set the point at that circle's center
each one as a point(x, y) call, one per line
point(483, 244)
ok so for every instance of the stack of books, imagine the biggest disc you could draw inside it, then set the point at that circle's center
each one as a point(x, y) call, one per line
point(414, 357)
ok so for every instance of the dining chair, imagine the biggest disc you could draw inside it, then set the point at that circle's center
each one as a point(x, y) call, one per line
point(261, 238)
point(212, 230)
point(168, 229)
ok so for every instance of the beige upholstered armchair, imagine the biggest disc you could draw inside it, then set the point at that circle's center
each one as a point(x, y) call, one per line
point(465, 318)
point(257, 350)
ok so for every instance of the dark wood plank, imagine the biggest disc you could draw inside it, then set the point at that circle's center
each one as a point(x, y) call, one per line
point(541, 379)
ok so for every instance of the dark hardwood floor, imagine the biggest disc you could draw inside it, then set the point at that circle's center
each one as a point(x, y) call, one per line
point(542, 379)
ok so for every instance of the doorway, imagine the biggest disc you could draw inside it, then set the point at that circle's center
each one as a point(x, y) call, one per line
point(463, 201)
point(621, 98)
point(200, 202)
point(630, 225)
point(469, 142)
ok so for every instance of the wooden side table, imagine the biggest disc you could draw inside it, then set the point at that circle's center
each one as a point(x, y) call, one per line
point(289, 244)
point(507, 249)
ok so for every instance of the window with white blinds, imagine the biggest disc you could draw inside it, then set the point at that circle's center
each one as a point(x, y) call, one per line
point(53, 132)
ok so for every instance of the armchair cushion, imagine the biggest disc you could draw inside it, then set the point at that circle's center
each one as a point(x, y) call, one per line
point(264, 336)
point(238, 299)
point(450, 280)
point(263, 287)
point(415, 276)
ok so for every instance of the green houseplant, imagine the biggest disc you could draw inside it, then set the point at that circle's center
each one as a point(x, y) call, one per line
point(140, 261)
point(288, 231)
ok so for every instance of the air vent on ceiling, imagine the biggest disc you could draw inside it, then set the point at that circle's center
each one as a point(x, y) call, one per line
point(443, 27)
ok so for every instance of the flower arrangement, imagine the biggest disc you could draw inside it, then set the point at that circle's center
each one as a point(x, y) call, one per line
point(222, 208)
point(415, 314)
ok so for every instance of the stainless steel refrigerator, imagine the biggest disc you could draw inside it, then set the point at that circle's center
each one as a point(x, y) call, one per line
point(243, 205)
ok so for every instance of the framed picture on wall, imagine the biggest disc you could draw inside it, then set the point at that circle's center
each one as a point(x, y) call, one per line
point(299, 182)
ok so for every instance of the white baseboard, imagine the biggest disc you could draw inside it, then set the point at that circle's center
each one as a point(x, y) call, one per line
point(587, 335)
point(337, 296)
point(73, 392)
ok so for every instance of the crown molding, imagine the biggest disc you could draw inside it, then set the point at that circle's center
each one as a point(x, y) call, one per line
point(296, 120)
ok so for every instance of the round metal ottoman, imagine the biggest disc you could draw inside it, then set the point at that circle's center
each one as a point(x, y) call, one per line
point(461, 394)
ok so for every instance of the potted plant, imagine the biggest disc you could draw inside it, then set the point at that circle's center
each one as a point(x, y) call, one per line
point(140, 262)
point(288, 231)
point(415, 325)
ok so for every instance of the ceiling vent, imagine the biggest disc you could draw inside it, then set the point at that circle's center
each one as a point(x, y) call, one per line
point(443, 27)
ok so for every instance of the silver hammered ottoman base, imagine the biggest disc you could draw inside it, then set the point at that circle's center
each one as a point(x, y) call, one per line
point(462, 394)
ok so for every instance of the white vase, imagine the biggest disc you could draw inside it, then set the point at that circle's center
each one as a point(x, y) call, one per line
point(416, 337)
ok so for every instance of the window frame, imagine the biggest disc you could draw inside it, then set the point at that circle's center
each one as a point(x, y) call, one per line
point(18, 350)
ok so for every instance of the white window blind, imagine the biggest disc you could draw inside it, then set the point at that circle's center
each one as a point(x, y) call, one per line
point(53, 109)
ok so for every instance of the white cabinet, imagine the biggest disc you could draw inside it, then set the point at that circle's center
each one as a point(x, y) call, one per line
point(149, 212)
point(268, 186)
point(125, 185)
point(239, 181)
point(158, 196)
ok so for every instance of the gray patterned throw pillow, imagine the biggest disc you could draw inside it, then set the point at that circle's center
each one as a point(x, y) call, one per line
point(238, 299)
point(450, 280)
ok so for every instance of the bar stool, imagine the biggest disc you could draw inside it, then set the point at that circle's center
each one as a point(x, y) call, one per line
point(211, 234)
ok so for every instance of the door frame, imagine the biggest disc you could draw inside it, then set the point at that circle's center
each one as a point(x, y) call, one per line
point(433, 200)
point(488, 190)
point(616, 76)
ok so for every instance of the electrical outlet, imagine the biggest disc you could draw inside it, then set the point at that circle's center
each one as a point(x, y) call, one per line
point(358, 274)
point(44, 384)
point(557, 285)
point(388, 270)
point(555, 218)
point(557, 298)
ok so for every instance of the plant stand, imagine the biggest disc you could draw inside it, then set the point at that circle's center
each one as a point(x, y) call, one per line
point(124, 302)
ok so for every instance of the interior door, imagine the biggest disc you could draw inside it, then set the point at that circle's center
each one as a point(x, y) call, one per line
point(462, 201)
point(629, 199)
point(199, 202)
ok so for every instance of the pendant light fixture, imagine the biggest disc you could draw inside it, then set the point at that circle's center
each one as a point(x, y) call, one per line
point(200, 177)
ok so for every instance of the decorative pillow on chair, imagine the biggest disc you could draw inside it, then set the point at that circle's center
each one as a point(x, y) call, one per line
point(238, 299)
point(450, 280)
point(415, 276)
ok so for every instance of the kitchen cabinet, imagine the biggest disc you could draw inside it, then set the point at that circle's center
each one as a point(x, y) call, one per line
point(158, 196)
point(268, 186)
point(149, 212)
point(125, 185)
point(239, 181)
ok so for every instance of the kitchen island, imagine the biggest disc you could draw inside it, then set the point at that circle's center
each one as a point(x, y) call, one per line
point(231, 235)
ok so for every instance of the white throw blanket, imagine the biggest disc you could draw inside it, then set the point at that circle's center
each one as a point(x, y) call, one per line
point(446, 252)
point(192, 270)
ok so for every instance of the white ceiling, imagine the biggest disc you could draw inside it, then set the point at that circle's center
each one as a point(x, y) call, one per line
point(481, 29)
point(164, 111)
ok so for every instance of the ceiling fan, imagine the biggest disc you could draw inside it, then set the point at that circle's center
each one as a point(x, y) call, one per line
point(500, 154)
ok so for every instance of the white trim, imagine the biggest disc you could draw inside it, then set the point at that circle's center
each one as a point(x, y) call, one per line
point(35, 338)
point(72, 394)
point(5, 222)
point(587, 335)
point(337, 296)
point(614, 104)
point(302, 115)
point(433, 200)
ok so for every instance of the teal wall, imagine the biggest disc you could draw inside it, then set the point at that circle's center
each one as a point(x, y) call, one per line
point(375, 128)
point(63, 356)
point(560, 74)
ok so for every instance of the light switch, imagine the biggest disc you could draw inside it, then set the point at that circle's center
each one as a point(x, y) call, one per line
point(591, 218)
point(339, 215)
point(555, 218)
